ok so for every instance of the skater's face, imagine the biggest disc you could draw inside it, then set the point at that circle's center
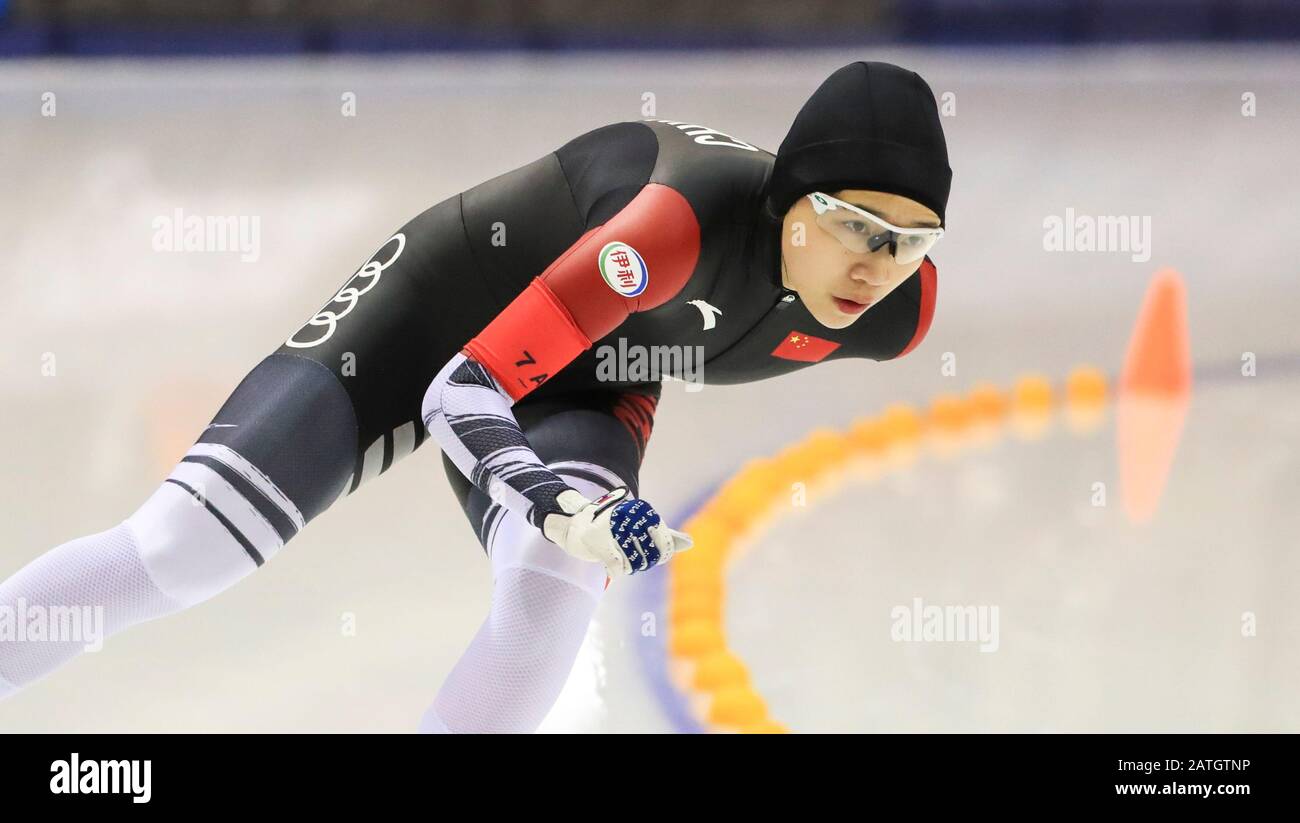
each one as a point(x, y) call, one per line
point(838, 285)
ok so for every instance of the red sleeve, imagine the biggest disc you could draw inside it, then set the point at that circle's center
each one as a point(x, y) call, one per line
point(929, 288)
point(636, 261)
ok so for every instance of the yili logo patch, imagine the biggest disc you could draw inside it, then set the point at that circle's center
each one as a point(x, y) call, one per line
point(623, 269)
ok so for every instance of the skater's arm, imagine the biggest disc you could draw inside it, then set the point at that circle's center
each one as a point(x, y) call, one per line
point(639, 259)
point(468, 412)
point(636, 261)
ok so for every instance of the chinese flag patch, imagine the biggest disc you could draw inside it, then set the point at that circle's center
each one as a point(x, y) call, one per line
point(804, 347)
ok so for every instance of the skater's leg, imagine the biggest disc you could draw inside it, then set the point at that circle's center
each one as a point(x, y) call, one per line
point(542, 598)
point(517, 663)
point(105, 570)
point(338, 404)
point(287, 441)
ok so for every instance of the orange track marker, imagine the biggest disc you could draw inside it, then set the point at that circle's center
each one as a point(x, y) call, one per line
point(1154, 393)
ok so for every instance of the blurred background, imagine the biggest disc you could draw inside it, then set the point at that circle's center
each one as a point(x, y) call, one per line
point(98, 27)
point(332, 123)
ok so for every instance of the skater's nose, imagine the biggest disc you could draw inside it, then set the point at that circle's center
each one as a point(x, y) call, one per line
point(872, 272)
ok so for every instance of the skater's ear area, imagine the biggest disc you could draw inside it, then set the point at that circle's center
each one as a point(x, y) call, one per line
point(636, 261)
point(928, 277)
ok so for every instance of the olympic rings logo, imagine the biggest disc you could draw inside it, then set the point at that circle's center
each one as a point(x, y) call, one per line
point(348, 295)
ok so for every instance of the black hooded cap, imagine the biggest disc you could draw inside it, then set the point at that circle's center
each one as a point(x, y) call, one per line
point(868, 126)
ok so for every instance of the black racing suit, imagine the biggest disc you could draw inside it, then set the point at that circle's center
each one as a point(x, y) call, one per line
point(505, 304)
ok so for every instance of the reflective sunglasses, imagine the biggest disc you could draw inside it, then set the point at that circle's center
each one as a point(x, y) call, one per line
point(861, 232)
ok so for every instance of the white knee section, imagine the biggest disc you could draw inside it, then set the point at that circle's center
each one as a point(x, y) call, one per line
point(188, 551)
point(542, 602)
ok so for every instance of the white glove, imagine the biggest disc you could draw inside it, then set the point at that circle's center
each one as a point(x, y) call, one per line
point(621, 532)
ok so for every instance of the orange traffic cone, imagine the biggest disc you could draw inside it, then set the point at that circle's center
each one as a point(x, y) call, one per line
point(1154, 393)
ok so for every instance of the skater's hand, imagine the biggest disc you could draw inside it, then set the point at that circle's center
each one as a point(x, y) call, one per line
point(617, 530)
